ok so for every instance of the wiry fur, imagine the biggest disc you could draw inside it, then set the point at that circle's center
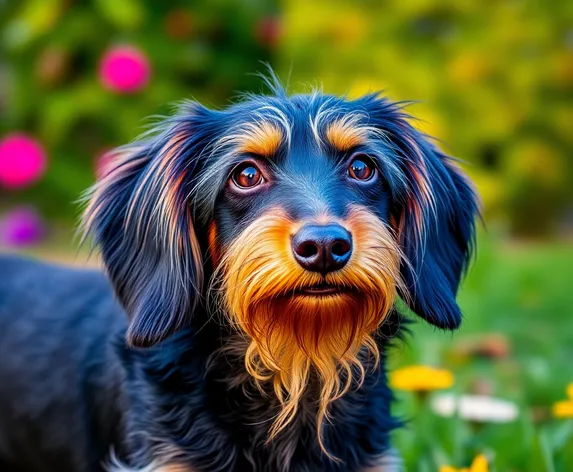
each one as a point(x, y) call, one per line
point(218, 373)
point(291, 338)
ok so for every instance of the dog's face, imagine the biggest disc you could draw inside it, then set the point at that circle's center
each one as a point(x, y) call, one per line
point(301, 217)
point(304, 247)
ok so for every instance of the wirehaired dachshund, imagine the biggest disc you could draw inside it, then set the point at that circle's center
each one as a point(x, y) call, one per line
point(259, 262)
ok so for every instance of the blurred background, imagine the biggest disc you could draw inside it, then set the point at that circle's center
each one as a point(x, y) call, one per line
point(491, 79)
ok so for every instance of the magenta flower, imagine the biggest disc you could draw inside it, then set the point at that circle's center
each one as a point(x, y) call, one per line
point(21, 226)
point(22, 161)
point(124, 69)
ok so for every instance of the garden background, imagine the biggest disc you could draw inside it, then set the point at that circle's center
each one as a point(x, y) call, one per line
point(492, 80)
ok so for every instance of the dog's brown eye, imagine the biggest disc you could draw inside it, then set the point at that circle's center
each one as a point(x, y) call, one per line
point(361, 168)
point(247, 175)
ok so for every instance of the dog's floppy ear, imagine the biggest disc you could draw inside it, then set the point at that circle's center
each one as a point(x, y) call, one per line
point(436, 228)
point(435, 217)
point(139, 216)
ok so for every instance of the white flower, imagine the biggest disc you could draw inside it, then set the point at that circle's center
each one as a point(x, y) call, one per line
point(479, 408)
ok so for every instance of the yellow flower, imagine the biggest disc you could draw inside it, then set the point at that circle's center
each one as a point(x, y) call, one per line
point(421, 378)
point(478, 465)
point(468, 69)
point(564, 408)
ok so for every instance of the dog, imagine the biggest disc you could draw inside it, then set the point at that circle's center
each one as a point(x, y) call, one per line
point(260, 261)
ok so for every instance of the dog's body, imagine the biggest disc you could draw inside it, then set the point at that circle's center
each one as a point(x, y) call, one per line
point(61, 382)
point(256, 254)
point(72, 393)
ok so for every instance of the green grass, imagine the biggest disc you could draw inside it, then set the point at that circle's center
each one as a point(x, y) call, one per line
point(525, 293)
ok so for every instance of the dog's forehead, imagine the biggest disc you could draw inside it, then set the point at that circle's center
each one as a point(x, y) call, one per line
point(301, 123)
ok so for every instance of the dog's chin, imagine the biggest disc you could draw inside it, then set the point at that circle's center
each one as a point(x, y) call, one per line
point(320, 327)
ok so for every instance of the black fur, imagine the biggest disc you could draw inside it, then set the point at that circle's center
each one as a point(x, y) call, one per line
point(62, 393)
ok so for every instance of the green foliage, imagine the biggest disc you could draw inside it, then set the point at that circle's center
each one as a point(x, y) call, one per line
point(494, 78)
point(50, 53)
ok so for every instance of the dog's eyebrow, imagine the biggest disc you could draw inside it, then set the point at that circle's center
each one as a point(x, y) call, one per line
point(262, 138)
point(345, 134)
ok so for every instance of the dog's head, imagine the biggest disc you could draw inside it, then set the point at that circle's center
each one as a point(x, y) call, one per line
point(306, 214)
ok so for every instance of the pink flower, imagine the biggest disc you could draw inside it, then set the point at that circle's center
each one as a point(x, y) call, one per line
point(22, 161)
point(22, 226)
point(124, 69)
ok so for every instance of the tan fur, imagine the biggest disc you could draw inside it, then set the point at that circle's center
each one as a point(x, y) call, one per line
point(175, 468)
point(261, 139)
point(213, 244)
point(154, 468)
point(345, 134)
point(290, 336)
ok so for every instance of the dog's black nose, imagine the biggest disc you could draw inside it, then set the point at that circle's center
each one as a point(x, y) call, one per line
point(322, 248)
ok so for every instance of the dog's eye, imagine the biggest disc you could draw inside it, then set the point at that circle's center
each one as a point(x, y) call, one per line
point(247, 175)
point(361, 168)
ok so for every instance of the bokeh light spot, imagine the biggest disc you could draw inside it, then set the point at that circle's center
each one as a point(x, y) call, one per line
point(22, 161)
point(124, 69)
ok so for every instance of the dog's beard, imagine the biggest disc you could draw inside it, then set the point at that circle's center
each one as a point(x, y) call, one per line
point(292, 334)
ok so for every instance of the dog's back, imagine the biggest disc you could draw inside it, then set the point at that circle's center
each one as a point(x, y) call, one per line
point(59, 377)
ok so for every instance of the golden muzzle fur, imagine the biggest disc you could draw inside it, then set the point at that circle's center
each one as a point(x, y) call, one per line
point(292, 334)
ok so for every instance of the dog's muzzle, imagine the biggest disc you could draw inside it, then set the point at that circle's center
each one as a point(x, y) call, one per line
point(309, 295)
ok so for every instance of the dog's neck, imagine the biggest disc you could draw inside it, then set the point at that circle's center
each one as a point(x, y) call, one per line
point(216, 396)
